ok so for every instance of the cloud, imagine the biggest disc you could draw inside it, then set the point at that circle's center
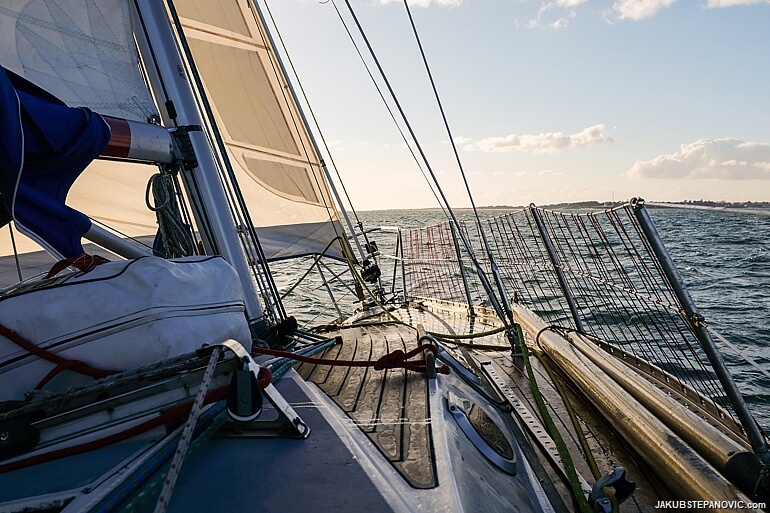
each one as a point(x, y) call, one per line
point(570, 3)
point(639, 9)
point(559, 12)
point(538, 143)
point(724, 159)
point(713, 4)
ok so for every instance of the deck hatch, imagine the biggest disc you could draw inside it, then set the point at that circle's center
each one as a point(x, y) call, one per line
point(483, 432)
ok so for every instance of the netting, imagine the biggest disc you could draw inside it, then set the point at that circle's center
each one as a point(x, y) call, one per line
point(601, 259)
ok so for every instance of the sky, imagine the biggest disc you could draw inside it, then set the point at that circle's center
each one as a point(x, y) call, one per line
point(547, 101)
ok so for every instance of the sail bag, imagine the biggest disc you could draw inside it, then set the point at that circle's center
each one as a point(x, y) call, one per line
point(119, 316)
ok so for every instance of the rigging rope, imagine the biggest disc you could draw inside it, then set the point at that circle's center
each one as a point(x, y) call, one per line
point(569, 466)
point(187, 432)
point(310, 268)
point(274, 310)
point(499, 309)
point(587, 452)
point(176, 237)
point(390, 110)
point(482, 232)
point(15, 252)
point(59, 362)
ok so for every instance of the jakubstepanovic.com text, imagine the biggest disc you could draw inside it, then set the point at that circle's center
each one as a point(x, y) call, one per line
point(709, 505)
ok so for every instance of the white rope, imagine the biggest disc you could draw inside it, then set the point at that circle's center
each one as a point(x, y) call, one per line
point(184, 440)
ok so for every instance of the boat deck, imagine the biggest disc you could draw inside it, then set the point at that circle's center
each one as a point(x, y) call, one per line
point(318, 474)
point(607, 448)
point(230, 472)
point(389, 406)
point(330, 471)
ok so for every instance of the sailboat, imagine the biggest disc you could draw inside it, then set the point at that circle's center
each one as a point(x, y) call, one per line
point(162, 371)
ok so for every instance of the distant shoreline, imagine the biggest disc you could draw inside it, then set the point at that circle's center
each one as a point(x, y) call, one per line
point(738, 209)
point(742, 207)
point(699, 204)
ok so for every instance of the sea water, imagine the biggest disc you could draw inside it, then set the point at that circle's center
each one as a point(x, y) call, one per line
point(724, 258)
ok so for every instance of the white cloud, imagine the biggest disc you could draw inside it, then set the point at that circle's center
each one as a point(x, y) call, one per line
point(559, 12)
point(570, 3)
point(725, 159)
point(558, 24)
point(539, 143)
point(639, 9)
point(713, 4)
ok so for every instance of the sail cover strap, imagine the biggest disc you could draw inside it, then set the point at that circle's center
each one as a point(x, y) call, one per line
point(44, 148)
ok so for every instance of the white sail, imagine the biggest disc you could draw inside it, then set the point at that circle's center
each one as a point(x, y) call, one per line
point(83, 52)
point(269, 147)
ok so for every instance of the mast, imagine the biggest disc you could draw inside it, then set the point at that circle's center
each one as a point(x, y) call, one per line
point(172, 91)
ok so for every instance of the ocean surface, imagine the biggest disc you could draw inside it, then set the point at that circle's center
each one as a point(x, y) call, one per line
point(723, 257)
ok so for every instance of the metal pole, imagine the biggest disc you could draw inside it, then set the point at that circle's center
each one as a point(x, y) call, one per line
point(213, 216)
point(698, 326)
point(403, 261)
point(565, 288)
point(462, 270)
point(117, 245)
point(395, 264)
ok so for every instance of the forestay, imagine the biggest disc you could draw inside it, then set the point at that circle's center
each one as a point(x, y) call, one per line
point(267, 142)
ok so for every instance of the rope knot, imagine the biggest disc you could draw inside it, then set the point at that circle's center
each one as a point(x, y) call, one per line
point(83, 263)
point(391, 360)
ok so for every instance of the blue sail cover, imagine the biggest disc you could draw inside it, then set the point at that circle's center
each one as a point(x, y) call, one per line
point(44, 146)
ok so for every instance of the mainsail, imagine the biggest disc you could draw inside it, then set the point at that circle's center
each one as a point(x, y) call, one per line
point(268, 145)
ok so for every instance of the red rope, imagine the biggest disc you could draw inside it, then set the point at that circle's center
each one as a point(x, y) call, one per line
point(84, 262)
point(60, 362)
point(397, 359)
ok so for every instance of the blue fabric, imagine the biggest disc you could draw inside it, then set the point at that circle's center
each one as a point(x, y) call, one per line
point(58, 143)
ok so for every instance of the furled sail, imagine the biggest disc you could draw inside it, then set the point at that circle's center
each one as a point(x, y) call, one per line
point(83, 52)
point(267, 142)
point(44, 148)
